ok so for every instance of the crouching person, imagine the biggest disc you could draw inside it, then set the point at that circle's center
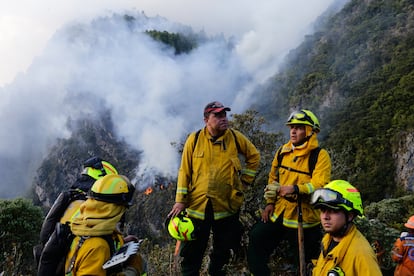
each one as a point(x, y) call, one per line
point(95, 227)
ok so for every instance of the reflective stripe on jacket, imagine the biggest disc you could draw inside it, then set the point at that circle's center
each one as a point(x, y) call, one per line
point(298, 158)
point(212, 170)
point(353, 254)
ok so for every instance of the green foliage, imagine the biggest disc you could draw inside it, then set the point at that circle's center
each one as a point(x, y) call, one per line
point(382, 238)
point(393, 212)
point(251, 124)
point(357, 73)
point(20, 223)
point(180, 42)
point(383, 223)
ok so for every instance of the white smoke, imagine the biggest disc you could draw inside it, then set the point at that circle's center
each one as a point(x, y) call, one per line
point(155, 97)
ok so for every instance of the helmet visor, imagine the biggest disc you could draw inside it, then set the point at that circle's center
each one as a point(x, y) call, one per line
point(94, 162)
point(300, 116)
point(329, 198)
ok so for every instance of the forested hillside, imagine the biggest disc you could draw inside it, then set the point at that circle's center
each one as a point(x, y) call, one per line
point(356, 73)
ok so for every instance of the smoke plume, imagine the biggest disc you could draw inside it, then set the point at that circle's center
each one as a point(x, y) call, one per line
point(155, 97)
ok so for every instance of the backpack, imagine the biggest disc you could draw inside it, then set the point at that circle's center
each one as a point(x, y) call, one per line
point(56, 241)
point(313, 159)
point(53, 255)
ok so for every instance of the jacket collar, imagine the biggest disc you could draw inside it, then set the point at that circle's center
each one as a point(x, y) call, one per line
point(338, 252)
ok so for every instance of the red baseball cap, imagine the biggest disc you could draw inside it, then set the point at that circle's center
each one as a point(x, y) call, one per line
point(215, 107)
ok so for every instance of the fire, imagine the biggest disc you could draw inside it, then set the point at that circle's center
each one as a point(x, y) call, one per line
point(148, 191)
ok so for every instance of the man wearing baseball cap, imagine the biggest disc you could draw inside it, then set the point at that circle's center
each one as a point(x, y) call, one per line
point(210, 189)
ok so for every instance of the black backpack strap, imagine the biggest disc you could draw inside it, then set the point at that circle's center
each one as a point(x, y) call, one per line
point(196, 138)
point(235, 140)
point(75, 254)
point(232, 132)
point(279, 156)
point(111, 242)
point(108, 238)
point(313, 158)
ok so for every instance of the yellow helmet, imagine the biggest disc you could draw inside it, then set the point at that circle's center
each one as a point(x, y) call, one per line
point(95, 167)
point(304, 117)
point(113, 189)
point(181, 227)
point(338, 194)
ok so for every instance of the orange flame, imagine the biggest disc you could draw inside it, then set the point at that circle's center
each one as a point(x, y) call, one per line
point(148, 191)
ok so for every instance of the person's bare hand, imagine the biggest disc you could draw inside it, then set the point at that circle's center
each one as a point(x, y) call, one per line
point(176, 209)
point(267, 212)
point(286, 190)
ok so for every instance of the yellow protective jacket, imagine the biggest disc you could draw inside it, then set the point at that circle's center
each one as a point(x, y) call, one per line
point(353, 254)
point(298, 158)
point(90, 256)
point(212, 170)
point(94, 220)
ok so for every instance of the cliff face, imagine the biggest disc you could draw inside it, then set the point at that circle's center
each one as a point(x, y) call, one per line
point(62, 166)
point(403, 155)
point(64, 163)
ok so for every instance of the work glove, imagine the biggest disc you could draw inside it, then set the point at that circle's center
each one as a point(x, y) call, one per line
point(271, 190)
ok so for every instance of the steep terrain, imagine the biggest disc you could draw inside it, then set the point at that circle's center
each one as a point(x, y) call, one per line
point(90, 137)
point(356, 73)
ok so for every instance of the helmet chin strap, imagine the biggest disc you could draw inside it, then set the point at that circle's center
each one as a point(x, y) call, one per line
point(309, 136)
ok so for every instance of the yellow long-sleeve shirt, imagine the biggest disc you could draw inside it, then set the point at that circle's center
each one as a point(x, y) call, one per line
point(211, 169)
point(297, 158)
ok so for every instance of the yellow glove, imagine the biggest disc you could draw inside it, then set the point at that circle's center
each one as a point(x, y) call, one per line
point(271, 190)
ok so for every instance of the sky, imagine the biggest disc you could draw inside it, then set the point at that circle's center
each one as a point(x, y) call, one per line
point(44, 71)
point(27, 25)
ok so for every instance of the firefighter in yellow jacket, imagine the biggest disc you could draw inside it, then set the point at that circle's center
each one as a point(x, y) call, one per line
point(345, 251)
point(56, 225)
point(298, 168)
point(95, 228)
point(210, 188)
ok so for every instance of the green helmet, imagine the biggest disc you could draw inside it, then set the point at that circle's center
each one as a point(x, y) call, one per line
point(304, 117)
point(113, 188)
point(181, 227)
point(338, 194)
point(96, 167)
